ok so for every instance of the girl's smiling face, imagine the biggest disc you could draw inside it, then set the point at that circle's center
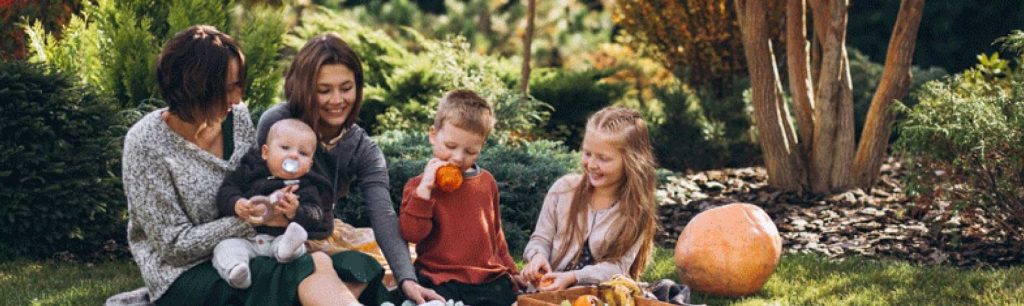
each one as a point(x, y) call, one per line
point(602, 160)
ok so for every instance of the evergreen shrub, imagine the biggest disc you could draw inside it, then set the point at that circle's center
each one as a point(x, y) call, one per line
point(59, 165)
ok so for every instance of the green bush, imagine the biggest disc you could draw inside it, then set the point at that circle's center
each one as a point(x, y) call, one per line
point(700, 133)
point(405, 82)
point(112, 45)
point(523, 172)
point(967, 137)
point(865, 76)
point(59, 165)
point(574, 96)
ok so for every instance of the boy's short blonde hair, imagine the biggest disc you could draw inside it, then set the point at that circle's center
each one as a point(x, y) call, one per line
point(466, 110)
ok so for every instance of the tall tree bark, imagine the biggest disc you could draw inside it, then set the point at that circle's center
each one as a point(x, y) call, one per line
point(800, 83)
point(894, 85)
point(531, 12)
point(829, 91)
point(780, 147)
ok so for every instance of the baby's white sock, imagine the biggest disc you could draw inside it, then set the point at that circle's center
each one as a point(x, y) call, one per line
point(292, 243)
point(239, 277)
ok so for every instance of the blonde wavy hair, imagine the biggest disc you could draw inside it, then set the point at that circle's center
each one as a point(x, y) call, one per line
point(636, 190)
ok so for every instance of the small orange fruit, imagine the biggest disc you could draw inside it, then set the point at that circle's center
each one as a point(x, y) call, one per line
point(587, 300)
point(449, 178)
point(544, 282)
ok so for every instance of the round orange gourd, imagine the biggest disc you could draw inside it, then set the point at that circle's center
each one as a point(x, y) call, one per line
point(449, 178)
point(730, 250)
point(587, 300)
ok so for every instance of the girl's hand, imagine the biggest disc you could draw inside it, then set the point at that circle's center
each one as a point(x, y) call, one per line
point(535, 269)
point(427, 182)
point(558, 281)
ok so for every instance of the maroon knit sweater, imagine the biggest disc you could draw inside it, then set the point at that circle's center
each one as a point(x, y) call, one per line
point(458, 234)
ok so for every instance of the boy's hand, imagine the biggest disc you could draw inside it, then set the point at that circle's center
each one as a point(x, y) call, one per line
point(427, 182)
point(535, 269)
point(243, 209)
point(557, 281)
point(520, 282)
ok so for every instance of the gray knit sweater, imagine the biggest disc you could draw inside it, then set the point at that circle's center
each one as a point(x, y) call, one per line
point(171, 185)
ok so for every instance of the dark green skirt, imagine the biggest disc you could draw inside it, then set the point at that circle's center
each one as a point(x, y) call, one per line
point(273, 283)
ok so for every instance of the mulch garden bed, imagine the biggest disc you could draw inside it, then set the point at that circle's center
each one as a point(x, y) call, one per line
point(879, 223)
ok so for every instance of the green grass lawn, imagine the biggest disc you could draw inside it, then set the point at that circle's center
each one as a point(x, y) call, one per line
point(799, 280)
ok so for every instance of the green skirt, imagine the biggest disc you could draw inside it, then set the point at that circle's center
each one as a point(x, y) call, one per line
point(273, 283)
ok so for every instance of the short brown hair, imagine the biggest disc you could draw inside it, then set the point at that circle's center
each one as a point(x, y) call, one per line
point(466, 110)
point(300, 81)
point(192, 69)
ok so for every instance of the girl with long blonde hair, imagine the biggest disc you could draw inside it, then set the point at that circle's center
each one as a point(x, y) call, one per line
point(601, 222)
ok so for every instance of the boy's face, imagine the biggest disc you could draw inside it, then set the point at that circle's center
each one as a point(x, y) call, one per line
point(297, 146)
point(456, 145)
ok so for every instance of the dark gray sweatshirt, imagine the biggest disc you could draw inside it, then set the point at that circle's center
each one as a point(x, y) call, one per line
point(357, 158)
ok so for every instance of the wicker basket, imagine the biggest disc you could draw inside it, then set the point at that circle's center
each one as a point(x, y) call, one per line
point(553, 298)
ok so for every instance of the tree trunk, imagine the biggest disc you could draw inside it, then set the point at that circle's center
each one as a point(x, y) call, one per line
point(785, 169)
point(531, 12)
point(895, 83)
point(800, 83)
point(828, 102)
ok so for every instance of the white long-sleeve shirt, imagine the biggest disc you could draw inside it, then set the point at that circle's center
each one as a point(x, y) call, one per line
point(552, 232)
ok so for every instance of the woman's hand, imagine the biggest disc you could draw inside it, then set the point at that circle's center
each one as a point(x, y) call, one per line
point(558, 281)
point(416, 293)
point(535, 269)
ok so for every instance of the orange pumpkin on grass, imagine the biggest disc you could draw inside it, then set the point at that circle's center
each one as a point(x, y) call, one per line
point(448, 178)
point(730, 250)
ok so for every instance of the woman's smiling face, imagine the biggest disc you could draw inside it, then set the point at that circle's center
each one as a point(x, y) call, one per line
point(336, 93)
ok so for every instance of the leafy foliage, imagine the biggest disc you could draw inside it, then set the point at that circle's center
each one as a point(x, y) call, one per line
point(967, 134)
point(59, 165)
point(699, 40)
point(404, 84)
point(574, 96)
point(563, 28)
point(701, 133)
point(542, 162)
point(113, 45)
point(865, 76)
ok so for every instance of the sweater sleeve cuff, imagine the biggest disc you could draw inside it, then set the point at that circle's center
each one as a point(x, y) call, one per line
point(530, 252)
point(421, 208)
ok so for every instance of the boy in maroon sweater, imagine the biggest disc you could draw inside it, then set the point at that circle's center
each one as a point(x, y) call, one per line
point(460, 246)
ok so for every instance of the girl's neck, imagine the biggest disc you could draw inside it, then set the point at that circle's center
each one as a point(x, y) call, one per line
point(603, 198)
point(329, 132)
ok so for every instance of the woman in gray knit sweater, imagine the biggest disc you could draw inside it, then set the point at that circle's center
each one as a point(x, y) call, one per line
point(324, 89)
point(174, 161)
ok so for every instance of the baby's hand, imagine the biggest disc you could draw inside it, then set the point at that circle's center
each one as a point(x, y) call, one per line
point(429, 176)
point(243, 209)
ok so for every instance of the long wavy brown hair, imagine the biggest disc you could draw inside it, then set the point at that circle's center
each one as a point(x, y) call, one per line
point(300, 80)
point(637, 221)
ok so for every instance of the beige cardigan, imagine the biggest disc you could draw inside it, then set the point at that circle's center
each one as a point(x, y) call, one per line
point(552, 228)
